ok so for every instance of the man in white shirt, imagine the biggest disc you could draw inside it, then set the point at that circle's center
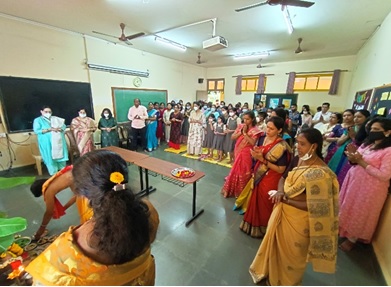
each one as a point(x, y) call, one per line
point(137, 115)
point(321, 118)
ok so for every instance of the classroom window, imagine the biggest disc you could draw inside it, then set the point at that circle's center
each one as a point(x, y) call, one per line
point(215, 90)
point(250, 84)
point(313, 82)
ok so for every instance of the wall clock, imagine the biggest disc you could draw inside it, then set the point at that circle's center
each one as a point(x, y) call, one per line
point(137, 82)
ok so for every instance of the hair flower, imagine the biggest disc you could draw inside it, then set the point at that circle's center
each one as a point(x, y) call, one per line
point(116, 177)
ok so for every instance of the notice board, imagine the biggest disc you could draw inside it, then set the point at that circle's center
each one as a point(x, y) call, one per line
point(123, 99)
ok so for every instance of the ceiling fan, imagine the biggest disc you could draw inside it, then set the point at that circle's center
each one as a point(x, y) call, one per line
point(297, 3)
point(123, 37)
point(298, 49)
point(199, 59)
point(260, 65)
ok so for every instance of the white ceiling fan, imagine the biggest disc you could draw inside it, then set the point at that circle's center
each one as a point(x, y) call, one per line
point(297, 3)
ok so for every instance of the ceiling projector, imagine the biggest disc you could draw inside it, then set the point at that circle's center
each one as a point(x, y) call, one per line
point(215, 43)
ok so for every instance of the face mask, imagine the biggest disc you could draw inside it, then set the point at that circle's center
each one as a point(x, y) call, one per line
point(258, 120)
point(47, 115)
point(307, 156)
point(244, 110)
point(195, 108)
point(210, 120)
point(231, 114)
point(187, 107)
point(82, 115)
point(213, 109)
point(106, 115)
point(374, 136)
point(224, 112)
point(269, 114)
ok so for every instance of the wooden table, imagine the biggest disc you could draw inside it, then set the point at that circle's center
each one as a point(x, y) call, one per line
point(132, 157)
point(164, 168)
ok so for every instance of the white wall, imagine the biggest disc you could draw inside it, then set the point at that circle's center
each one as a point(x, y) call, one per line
point(37, 51)
point(278, 82)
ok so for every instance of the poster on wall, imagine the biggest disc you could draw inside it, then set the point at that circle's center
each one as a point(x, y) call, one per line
point(362, 99)
point(274, 103)
point(287, 103)
point(381, 101)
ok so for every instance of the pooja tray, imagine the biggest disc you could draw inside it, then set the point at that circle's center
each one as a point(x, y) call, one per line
point(183, 172)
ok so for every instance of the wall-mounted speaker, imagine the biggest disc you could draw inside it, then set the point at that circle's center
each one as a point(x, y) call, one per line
point(200, 80)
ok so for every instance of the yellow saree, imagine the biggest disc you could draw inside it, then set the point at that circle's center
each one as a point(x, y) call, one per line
point(295, 237)
point(63, 264)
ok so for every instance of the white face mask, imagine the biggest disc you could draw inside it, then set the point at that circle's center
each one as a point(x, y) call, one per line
point(82, 115)
point(305, 112)
point(258, 120)
point(269, 114)
point(224, 112)
point(244, 110)
point(213, 109)
point(47, 115)
point(106, 115)
point(195, 108)
point(210, 120)
point(307, 156)
point(231, 114)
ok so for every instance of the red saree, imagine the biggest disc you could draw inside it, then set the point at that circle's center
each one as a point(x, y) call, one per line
point(241, 170)
point(260, 206)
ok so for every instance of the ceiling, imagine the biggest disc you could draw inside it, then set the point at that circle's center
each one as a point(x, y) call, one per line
point(329, 28)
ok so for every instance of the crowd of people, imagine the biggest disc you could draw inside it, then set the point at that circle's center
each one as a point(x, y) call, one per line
point(300, 180)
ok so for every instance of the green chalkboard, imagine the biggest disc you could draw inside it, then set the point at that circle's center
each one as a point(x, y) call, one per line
point(123, 99)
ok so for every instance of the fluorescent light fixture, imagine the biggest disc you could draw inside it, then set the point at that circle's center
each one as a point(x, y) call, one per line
point(251, 55)
point(287, 19)
point(118, 70)
point(170, 43)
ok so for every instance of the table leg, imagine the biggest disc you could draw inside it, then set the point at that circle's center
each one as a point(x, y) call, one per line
point(141, 177)
point(148, 189)
point(194, 213)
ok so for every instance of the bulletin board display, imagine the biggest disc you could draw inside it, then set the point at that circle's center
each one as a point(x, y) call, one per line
point(381, 101)
point(123, 99)
point(362, 99)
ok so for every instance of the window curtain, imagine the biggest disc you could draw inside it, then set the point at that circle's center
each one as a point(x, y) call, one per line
point(291, 83)
point(238, 89)
point(261, 84)
point(335, 82)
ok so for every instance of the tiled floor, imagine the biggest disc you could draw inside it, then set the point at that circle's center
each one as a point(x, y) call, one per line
point(212, 250)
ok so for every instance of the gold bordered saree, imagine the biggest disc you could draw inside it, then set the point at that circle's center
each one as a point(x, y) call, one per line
point(295, 237)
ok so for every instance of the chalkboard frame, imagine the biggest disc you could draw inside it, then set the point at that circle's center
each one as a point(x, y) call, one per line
point(134, 93)
point(22, 99)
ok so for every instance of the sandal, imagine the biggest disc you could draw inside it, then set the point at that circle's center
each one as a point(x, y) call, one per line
point(347, 245)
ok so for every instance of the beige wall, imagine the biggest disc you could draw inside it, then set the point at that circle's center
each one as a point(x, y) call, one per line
point(37, 51)
point(278, 82)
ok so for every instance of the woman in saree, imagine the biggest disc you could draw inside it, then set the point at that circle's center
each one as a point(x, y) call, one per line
point(151, 123)
point(337, 133)
point(364, 190)
point(108, 126)
point(245, 135)
point(176, 119)
point(83, 128)
point(329, 137)
point(355, 134)
point(196, 130)
point(272, 155)
point(114, 247)
point(303, 226)
point(160, 123)
point(185, 124)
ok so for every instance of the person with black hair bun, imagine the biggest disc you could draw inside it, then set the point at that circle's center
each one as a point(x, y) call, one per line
point(303, 226)
point(114, 247)
point(364, 190)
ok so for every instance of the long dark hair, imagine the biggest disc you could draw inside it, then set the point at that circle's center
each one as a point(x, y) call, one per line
point(362, 134)
point(121, 221)
point(106, 110)
point(313, 136)
point(386, 125)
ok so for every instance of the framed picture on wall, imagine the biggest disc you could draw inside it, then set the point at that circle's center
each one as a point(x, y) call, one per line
point(362, 99)
point(287, 103)
point(381, 101)
point(274, 103)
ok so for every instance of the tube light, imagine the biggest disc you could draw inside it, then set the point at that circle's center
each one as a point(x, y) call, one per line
point(118, 70)
point(251, 55)
point(170, 43)
point(287, 19)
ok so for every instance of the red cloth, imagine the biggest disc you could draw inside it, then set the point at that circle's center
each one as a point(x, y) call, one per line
point(59, 209)
point(174, 145)
point(160, 128)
